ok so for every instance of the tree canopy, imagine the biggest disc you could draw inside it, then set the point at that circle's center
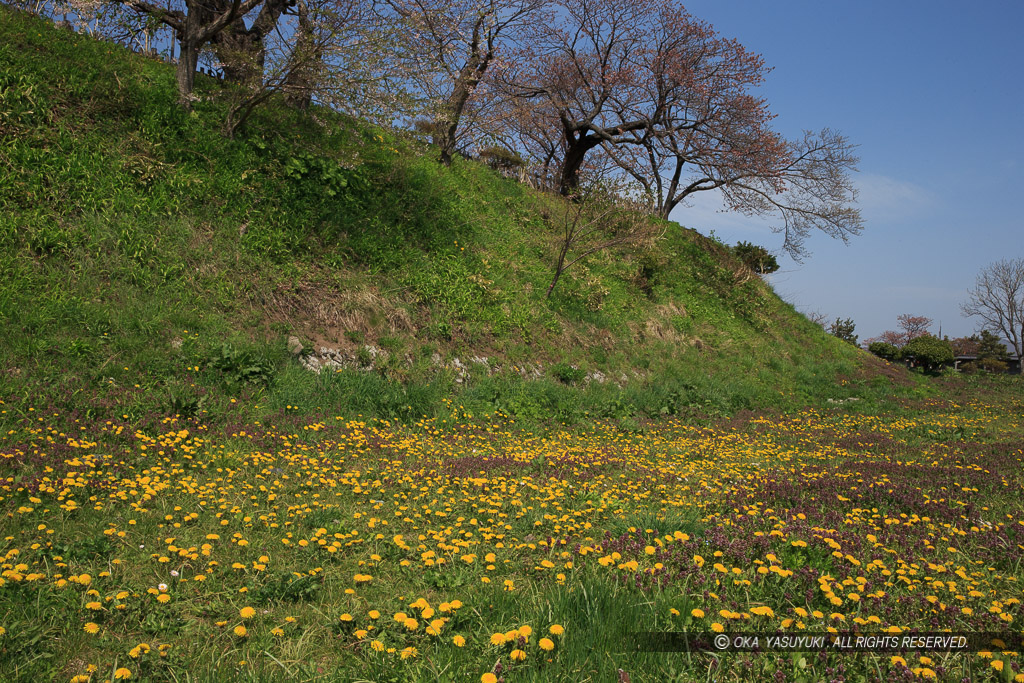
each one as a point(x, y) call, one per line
point(652, 98)
point(997, 299)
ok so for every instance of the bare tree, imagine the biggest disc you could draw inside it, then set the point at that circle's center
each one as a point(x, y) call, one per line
point(817, 317)
point(911, 327)
point(450, 45)
point(997, 299)
point(588, 227)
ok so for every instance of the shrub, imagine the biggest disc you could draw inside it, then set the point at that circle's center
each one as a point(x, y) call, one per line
point(757, 258)
point(929, 351)
point(885, 350)
point(567, 374)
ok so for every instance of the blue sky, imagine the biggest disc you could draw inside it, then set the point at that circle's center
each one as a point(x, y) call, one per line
point(933, 95)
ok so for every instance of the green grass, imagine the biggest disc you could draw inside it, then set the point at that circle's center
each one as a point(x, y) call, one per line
point(136, 241)
point(315, 531)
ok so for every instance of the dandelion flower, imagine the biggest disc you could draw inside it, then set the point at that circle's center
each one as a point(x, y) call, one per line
point(546, 644)
point(518, 655)
point(91, 627)
point(459, 641)
point(247, 612)
point(241, 631)
point(123, 674)
point(556, 629)
point(488, 678)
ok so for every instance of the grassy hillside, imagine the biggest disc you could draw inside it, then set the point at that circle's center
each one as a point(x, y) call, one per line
point(181, 499)
point(152, 266)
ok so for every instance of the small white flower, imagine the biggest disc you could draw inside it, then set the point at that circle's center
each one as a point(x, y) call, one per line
point(174, 572)
point(162, 587)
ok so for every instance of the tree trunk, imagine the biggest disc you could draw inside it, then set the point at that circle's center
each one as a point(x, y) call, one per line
point(569, 176)
point(445, 138)
point(298, 84)
point(448, 128)
point(185, 74)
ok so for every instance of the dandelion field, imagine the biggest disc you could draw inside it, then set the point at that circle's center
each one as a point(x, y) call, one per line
point(319, 547)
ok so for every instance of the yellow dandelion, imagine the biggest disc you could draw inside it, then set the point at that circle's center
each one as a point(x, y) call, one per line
point(247, 612)
point(241, 631)
point(546, 644)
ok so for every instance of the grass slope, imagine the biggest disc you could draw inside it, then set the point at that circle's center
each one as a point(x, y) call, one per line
point(150, 265)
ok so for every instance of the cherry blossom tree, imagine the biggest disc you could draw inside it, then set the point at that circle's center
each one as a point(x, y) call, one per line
point(668, 101)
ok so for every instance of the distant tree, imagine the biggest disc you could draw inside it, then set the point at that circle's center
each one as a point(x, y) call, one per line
point(818, 318)
point(843, 329)
point(928, 352)
point(911, 327)
point(885, 350)
point(997, 299)
point(965, 346)
point(891, 337)
point(757, 258)
point(992, 354)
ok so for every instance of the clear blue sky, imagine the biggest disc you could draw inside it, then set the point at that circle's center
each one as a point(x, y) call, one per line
point(933, 94)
